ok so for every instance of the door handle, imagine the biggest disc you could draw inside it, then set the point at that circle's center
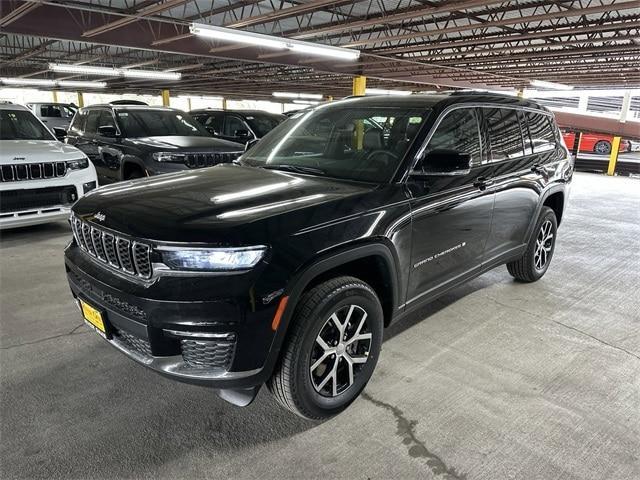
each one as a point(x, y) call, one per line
point(482, 183)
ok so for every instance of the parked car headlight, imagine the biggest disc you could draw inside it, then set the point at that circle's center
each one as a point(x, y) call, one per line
point(169, 157)
point(213, 259)
point(78, 164)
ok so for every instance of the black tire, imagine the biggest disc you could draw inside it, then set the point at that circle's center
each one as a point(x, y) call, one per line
point(527, 268)
point(603, 147)
point(135, 173)
point(293, 384)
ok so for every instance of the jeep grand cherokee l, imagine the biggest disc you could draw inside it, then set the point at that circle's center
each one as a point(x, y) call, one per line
point(131, 141)
point(285, 267)
point(40, 177)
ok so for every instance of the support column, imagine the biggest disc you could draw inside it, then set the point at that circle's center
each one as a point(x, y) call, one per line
point(329, 98)
point(520, 93)
point(55, 96)
point(80, 100)
point(224, 103)
point(575, 148)
point(165, 98)
point(613, 158)
point(359, 89)
point(189, 103)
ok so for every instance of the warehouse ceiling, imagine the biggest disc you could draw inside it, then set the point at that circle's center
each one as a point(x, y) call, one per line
point(407, 44)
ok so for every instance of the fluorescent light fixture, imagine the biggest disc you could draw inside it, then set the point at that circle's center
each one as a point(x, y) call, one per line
point(380, 91)
point(84, 70)
point(151, 74)
point(41, 82)
point(268, 41)
point(552, 85)
point(80, 84)
point(28, 81)
point(312, 96)
point(114, 72)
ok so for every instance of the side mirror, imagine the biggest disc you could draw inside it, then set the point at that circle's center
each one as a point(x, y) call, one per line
point(443, 162)
point(243, 134)
point(212, 131)
point(60, 133)
point(107, 131)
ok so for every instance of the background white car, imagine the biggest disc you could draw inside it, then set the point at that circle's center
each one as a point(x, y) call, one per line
point(40, 177)
point(54, 114)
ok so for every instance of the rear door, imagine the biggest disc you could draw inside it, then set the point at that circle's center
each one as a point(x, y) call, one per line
point(451, 214)
point(109, 149)
point(516, 180)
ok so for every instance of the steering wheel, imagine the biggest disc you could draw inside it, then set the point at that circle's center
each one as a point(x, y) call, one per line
point(380, 157)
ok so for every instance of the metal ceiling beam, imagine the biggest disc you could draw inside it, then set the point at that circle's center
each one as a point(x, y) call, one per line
point(17, 13)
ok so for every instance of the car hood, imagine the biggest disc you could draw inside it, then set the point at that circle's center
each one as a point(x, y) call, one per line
point(186, 143)
point(34, 151)
point(225, 204)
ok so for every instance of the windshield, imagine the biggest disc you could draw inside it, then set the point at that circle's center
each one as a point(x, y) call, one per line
point(342, 141)
point(22, 125)
point(262, 124)
point(158, 123)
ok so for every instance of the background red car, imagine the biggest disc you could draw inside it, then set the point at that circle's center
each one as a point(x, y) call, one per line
point(595, 142)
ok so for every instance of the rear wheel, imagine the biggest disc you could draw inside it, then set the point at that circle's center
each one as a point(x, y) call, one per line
point(332, 350)
point(602, 146)
point(134, 172)
point(536, 259)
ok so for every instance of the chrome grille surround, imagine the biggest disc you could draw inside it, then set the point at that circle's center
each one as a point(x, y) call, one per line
point(16, 172)
point(133, 258)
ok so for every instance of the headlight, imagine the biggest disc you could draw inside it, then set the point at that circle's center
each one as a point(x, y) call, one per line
point(78, 164)
point(213, 259)
point(169, 157)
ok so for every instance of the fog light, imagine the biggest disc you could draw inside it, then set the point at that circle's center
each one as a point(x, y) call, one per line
point(87, 187)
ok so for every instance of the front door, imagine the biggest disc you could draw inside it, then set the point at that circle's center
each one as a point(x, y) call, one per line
point(451, 212)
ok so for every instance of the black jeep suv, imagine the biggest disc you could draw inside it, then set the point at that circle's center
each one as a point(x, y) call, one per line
point(127, 141)
point(285, 267)
point(241, 126)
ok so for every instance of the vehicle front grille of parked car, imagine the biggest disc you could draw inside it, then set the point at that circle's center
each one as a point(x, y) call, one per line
point(133, 343)
point(119, 253)
point(209, 159)
point(32, 171)
point(37, 198)
point(216, 353)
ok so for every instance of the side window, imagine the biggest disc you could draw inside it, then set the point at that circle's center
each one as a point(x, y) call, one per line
point(213, 122)
point(505, 135)
point(231, 124)
point(541, 132)
point(78, 122)
point(106, 119)
point(458, 132)
point(51, 111)
point(92, 121)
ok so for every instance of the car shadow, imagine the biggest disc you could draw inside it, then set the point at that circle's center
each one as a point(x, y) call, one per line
point(14, 236)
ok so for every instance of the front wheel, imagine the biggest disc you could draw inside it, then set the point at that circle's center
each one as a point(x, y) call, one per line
point(332, 349)
point(603, 147)
point(536, 259)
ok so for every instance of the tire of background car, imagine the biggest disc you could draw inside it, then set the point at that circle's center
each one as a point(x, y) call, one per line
point(536, 259)
point(602, 146)
point(135, 172)
point(331, 350)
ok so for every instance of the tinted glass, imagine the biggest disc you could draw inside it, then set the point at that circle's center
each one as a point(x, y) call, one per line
point(504, 133)
point(212, 121)
point(22, 125)
point(340, 140)
point(106, 119)
point(92, 121)
point(458, 131)
point(541, 132)
point(262, 124)
point(231, 124)
point(158, 123)
point(78, 122)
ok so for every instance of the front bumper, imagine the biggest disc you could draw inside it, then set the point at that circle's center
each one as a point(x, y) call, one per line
point(220, 343)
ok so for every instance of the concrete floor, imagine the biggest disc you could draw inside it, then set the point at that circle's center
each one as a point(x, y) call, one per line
point(497, 380)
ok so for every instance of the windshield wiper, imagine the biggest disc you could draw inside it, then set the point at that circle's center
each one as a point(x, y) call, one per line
point(296, 168)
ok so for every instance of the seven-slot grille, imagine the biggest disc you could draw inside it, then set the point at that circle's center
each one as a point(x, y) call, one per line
point(32, 171)
point(199, 160)
point(118, 252)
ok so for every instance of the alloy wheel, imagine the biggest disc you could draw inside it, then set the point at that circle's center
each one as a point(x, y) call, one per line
point(340, 351)
point(544, 244)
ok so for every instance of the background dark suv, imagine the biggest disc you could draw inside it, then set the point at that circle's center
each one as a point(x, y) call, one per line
point(238, 125)
point(133, 141)
point(286, 267)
